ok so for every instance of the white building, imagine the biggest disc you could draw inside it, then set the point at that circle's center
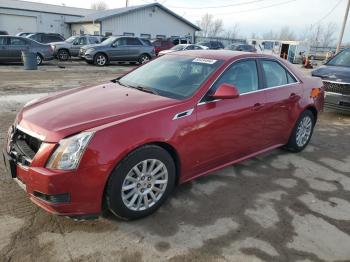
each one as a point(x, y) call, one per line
point(23, 16)
point(148, 21)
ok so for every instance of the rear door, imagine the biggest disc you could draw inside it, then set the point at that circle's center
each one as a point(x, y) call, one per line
point(283, 93)
point(15, 48)
point(230, 129)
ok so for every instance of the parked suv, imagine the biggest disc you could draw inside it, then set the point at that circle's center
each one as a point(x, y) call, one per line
point(116, 48)
point(162, 44)
point(46, 38)
point(11, 48)
point(70, 47)
point(335, 75)
point(212, 44)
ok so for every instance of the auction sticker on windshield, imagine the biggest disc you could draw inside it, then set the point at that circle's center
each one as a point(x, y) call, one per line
point(204, 61)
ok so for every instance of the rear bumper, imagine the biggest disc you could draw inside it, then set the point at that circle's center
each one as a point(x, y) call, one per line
point(337, 101)
point(68, 193)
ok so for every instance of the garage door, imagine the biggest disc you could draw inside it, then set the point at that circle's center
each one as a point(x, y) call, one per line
point(14, 24)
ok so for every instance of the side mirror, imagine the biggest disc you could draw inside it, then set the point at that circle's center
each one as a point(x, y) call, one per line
point(226, 91)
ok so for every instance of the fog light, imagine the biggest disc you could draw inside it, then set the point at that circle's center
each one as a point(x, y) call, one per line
point(58, 198)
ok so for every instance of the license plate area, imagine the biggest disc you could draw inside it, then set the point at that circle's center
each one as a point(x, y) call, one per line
point(10, 165)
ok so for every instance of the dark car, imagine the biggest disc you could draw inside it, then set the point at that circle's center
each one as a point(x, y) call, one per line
point(162, 44)
point(126, 144)
point(71, 46)
point(336, 79)
point(212, 44)
point(3, 32)
point(118, 48)
point(46, 38)
point(11, 48)
point(241, 47)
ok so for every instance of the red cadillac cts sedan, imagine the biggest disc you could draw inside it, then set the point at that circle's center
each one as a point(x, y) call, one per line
point(124, 145)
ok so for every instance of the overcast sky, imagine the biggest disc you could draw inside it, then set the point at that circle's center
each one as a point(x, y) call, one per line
point(272, 14)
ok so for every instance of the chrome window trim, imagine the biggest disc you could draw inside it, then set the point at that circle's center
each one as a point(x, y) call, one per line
point(255, 91)
point(335, 82)
point(31, 133)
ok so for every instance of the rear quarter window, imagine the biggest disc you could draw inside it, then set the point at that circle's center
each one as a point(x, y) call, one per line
point(276, 74)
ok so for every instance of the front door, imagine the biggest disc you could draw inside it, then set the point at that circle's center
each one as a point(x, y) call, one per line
point(3, 49)
point(120, 49)
point(230, 129)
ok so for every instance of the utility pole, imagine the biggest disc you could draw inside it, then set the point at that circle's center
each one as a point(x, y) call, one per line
point(343, 27)
point(127, 3)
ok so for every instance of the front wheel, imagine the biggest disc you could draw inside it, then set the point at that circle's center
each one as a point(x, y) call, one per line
point(63, 55)
point(100, 59)
point(302, 132)
point(141, 183)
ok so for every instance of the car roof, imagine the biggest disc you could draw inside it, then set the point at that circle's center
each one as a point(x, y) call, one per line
point(224, 55)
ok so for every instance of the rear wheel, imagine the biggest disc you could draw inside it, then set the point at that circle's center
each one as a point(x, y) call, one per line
point(141, 183)
point(63, 55)
point(302, 132)
point(39, 59)
point(144, 58)
point(100, 59)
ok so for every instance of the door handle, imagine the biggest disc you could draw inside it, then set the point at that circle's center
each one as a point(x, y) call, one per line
point(257, 106)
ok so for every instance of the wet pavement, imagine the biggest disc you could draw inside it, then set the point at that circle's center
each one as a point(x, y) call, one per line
point(278, 206)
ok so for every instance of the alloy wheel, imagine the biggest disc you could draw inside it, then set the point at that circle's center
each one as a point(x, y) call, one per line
point(63, 55)
point(144, 59)
point(101, 60)
point(304, 131)
point(144, 185)
point(38, 59)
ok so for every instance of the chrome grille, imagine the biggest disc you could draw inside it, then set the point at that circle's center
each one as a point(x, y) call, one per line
point(339, 88)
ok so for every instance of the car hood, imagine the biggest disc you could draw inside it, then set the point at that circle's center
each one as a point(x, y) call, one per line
point(96, 46)
point(333, 73)
point(66, 113)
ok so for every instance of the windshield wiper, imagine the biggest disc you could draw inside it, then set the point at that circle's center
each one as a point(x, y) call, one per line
point(145, 89)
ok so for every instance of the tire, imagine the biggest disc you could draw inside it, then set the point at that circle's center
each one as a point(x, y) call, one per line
point(39, 59)
point(63, 55)
point(144, 58)
point(305, 125)
point(128, 187)
point(100, 59)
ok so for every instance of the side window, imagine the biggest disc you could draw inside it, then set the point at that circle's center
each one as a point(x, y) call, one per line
point(3, 41)
point(93, 40)
point(17, 41)
point(276, 74)
point(190, 47)
point(243, 75)
point(82, 41)
point(133, 41)
point(120, 41)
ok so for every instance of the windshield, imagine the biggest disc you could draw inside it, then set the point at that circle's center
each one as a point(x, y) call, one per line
point(71, 39)
point(341, 59)
point(178, 47)
point(172, 76)
point(109, 40)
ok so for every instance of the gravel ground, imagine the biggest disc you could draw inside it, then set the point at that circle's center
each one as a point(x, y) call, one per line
point(276, 207)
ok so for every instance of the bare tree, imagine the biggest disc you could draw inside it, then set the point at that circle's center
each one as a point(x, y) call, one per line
point(286, 34)
point(328, 38)
point(232, 32)
point(99, 5)
point(210, 26)
point(271, 35)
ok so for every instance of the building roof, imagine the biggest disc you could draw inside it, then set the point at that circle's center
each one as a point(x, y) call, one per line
point(103, 15)
point(45, 8)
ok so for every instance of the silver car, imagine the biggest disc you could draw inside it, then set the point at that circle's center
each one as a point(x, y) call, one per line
point(11, 48)
point(118, 48)
point(71, 46)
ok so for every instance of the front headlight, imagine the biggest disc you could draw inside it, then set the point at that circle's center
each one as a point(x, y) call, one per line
point(69, 152)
